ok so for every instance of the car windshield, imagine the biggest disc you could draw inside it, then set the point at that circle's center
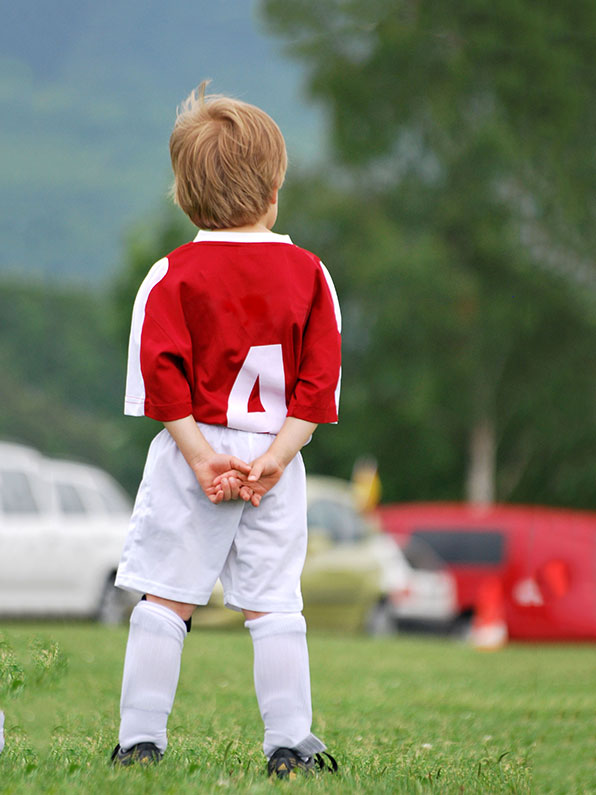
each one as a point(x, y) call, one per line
point(84, 490)
point(339, 521)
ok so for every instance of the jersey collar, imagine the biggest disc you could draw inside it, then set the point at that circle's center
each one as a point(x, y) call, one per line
point(217, 236)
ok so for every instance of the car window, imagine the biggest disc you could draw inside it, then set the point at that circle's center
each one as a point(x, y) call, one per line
point(16, 493)
point(339, 521)
point(465, 547)
point(69, 498)
point(421, 555)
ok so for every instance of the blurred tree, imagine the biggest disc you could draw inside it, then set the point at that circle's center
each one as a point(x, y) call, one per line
point(410, 345)
point(61, 386)
point(463, 132)
point(146, 242)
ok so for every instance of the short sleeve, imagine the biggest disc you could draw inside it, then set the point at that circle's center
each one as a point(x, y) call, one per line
point(157, 383)
point(167, 391)
point(316, 395)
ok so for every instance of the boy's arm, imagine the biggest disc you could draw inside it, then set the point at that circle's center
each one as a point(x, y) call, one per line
point(268, 468)
point(206, 463)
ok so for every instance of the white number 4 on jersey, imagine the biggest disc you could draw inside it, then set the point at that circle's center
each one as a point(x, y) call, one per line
point(265, 364)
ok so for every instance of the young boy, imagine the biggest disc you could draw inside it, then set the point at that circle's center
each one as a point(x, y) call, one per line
point(235, 347)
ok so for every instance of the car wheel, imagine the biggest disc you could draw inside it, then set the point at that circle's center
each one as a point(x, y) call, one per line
point(115, 604)
point(380, 620)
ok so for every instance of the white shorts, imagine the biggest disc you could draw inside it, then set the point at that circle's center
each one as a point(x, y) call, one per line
point(179, 543)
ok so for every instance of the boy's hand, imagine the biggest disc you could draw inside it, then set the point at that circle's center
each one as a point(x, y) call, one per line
point(262, 476)
point(267, 469)
point(220, 476)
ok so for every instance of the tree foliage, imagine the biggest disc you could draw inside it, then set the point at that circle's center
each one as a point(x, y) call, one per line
point(463, 234)
point(457, 220)
point(61, 385)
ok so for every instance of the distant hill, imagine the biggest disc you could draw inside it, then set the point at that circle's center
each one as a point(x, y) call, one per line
point(88, 93)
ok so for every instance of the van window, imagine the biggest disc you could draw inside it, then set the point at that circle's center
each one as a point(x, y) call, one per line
point(465, 547)
point(69, 499)
point(16, 494)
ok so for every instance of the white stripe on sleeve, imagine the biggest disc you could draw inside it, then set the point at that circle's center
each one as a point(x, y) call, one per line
point(134, 402)
point(337, 309)
point(333, 292)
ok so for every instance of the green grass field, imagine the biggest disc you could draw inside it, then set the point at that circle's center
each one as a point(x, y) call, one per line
point(401, 714)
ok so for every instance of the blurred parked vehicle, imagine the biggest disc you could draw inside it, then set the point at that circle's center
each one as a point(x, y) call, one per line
point(62, 526)
point(420, 591)
point(344, 576)
point(542, 559)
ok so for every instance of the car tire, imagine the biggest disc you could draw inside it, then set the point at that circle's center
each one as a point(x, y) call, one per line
point(115, 604)
point(380, 620)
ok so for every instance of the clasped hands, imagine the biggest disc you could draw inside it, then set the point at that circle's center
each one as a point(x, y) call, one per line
point(223, 477)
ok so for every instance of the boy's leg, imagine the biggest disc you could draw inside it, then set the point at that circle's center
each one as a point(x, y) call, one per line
point(262, 577)
point(171, 549)
point(151, 670)
point(282, 682)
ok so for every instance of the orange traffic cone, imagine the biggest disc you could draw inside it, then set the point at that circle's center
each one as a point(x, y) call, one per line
point(489, 628)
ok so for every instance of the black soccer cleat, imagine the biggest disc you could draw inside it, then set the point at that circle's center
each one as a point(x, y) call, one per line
point(286, 763)
point(141, 753)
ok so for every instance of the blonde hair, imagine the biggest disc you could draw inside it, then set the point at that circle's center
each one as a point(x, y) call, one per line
point(228, 159)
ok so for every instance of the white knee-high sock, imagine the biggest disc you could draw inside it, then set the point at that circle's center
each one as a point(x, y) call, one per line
point(151, 670)
point(282, 682)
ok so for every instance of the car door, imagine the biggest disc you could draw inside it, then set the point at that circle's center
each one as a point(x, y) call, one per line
point(28, 577)
point(80, 546)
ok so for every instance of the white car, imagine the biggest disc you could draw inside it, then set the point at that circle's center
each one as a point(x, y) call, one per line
point(62, 527)
point(421, 593)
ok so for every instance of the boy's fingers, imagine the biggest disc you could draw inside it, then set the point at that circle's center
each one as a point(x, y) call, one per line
point(237, 463)
point(226, 489)
point(235, 487)
point(246, 493)
point(231, 473)
point(256, 471)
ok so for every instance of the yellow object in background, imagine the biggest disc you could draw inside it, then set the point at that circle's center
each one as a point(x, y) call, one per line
point(366, 483)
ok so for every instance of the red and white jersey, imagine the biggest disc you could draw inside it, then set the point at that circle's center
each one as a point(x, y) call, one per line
point(237, 329)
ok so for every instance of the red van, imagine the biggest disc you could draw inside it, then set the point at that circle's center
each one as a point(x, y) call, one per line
point(544, 558)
